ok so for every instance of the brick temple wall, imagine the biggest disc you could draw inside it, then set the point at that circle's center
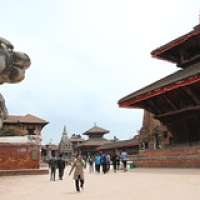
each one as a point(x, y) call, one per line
point(19, 156)
point(182, 157)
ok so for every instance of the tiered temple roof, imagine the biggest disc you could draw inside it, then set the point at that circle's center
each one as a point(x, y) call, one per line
point(96, 139)
point(175, 99)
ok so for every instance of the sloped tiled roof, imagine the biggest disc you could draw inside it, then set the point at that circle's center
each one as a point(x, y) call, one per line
point(76, 138)
point(96, 130)
point(93, 142)
point(25, 119)
point(119, 144)
point(158, 53)
point(170, 82)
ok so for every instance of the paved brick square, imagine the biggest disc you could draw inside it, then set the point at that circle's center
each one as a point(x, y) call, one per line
point(137, 183)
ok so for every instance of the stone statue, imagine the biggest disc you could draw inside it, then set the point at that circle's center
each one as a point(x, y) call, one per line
point(156, 134)
point(12, 69)
point(12, 63)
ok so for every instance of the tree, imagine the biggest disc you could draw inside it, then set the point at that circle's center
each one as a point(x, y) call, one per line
point(12, 131)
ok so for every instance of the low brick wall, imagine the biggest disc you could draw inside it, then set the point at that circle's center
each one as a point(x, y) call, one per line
point(19, 156)
point(182, 157)
point(24, 172)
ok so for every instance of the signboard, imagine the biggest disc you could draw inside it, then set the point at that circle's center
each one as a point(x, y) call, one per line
point(34, 155)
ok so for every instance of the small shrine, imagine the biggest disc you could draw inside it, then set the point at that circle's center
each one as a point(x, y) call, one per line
point(64, 146)
point(96, 139)
point(75, 140)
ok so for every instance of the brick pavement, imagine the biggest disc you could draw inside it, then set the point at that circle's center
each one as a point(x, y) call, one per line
point(138, 183)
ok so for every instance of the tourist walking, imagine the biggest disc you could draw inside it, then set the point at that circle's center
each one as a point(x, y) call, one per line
point(85, 160)
point(91, 164)
point(61, 167)
point(78, 166)
point(107, 162)
point(103, 162)
point(97, 163)
point(124, 158)
point(117, 160)
point(114, 161)
point(53, 166)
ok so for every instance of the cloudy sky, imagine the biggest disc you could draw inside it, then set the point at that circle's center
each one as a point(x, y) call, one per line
point(86, 55)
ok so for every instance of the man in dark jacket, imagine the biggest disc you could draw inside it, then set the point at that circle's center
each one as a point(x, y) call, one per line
point(61, 167)
point(53, 166)
point(103, 162)
point(114, 161)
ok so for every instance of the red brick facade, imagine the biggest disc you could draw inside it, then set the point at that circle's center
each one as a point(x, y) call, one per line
point(182, 157)
point(19, 156)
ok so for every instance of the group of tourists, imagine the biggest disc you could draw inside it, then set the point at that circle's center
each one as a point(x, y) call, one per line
point(101, 161)
point(77, 166)
point(54, 164)
point(104, 161)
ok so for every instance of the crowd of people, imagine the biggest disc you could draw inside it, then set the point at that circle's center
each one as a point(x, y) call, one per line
point(100, 162)
point(104, 161)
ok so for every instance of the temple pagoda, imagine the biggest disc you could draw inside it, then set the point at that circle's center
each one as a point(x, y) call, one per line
point(96, 139)
point(175, 99)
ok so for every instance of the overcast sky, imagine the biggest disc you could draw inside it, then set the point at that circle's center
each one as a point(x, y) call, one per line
point(88, 54)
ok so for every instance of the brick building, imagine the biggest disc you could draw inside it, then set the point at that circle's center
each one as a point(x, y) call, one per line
point(22, 152)
point(31, 124)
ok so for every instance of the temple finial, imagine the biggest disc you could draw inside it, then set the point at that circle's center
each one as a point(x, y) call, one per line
point(199, 16)
point(64, 131)
point(197, 27)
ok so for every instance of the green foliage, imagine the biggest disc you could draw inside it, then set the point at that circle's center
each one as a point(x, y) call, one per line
point(11, 131)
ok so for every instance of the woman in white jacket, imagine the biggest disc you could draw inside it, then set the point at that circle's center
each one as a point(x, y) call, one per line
point(78, 165)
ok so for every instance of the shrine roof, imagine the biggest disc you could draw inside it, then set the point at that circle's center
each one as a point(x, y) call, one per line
point(178, 79)
point(96, 130)
point(24, 119)
point(159, 52)
point(119, 144)
point(76, 138)
point(93, 142)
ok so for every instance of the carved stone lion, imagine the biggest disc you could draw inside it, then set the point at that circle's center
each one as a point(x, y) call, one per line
point(12, 63)
point(12, 69)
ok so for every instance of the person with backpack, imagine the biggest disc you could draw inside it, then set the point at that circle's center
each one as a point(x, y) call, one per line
point(124, 158)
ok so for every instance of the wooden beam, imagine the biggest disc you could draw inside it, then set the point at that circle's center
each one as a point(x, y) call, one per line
point(155, 107)
point(168, 100)
point(195, 108)
point(192, 95)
